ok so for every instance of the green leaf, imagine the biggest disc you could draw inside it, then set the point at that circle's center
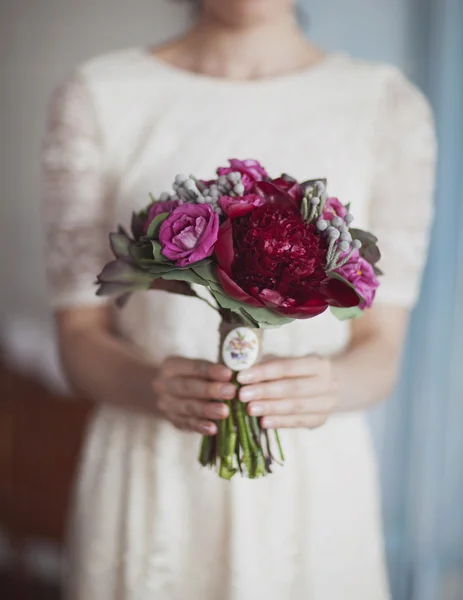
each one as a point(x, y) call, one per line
point(120, 244)
point(184, 275)
point(119, 289)
point(287, 177)
point(267, 317)
point(154, 226)
point(137, 223)
point(248, 319)
point(310, 183)
point(141, 252)
point(205, 269)
point(227, 302)
point(344, 314)
point(262, 316)
point(159, 269)
point(121, 271)
point(364, 236)
point(369, 249)
point(157, 252)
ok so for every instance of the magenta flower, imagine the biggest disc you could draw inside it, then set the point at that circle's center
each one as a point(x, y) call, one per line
point(238, 206)
point(361, 275)
point(189, 234)
point(334, 208)
point(157, 208)
point(251, 171)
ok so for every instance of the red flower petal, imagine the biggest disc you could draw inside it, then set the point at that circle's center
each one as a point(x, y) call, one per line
point(274, 194)
point(239, 210)
point(224, 251)
point(292, 188)
point(306, 311)
point(275, 302)
point(234, 291)
point(340, 294)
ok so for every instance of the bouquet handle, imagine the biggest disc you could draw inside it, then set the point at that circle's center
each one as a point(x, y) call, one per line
point(240, 444)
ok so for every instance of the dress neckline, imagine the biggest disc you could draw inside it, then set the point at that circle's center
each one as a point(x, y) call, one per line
point(199, 78)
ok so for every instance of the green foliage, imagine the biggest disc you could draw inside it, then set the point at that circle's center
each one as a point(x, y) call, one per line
point(142, 252)
point(187, 275)
point(119, 289)
point(157, 252)
point(155, 225)
point(120, 244)
point(254, 316)
point(159, 269)
point(266, 317)
point(369, 249)
point(121, 271)
point(205, 270)
point(344, 314)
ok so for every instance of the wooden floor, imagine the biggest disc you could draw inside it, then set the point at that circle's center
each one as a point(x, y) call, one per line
point(40, 440)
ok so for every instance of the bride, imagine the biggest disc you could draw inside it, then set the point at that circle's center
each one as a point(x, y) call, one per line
point(148, 523)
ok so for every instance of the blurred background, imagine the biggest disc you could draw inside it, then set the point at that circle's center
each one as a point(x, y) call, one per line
point(418, 432)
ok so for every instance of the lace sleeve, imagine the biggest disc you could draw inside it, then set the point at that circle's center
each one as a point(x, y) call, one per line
point(76, 207)
point(401, 205)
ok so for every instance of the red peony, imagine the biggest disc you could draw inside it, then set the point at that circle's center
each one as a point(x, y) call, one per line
point(271, 258)
point(237, 206)
point(290, 187)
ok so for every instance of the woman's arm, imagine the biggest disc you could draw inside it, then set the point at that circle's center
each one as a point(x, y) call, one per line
point(367, 370)
point(109, 370)
point(303, 392)
point(100, 366)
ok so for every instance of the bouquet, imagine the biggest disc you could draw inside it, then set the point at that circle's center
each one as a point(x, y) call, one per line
point(268, 251)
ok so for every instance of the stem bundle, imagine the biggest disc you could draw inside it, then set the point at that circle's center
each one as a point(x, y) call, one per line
point(240, 444)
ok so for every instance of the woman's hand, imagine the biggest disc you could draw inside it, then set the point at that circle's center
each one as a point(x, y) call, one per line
point(184, 389)
point(294, 392)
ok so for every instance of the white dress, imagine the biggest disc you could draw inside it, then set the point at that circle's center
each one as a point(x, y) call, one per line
point(149, 523)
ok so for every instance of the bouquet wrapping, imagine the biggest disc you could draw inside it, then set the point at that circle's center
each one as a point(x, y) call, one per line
point(267, 251)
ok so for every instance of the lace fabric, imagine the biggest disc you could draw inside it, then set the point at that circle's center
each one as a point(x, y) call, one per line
point(78, 211)
point(401, 210)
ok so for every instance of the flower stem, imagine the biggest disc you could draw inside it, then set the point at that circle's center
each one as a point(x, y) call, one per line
point(207, 302)
point(226, 443)
point(280, 449)
point(243, 433)
point(205, 453)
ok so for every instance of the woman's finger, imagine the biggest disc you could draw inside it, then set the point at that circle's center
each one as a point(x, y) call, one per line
point(188, 387)
point(285, 388)
point(311, 421)
point(282, 368)
point(192, 424)
point(293, 406)
point(201, 409)
point(201, 369)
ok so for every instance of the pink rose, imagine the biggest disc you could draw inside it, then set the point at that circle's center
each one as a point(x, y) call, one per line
point(361, 275)
point(334, 208)
point(251, 171)
point(157, 208)
point(189, 234)
point(238, 206)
